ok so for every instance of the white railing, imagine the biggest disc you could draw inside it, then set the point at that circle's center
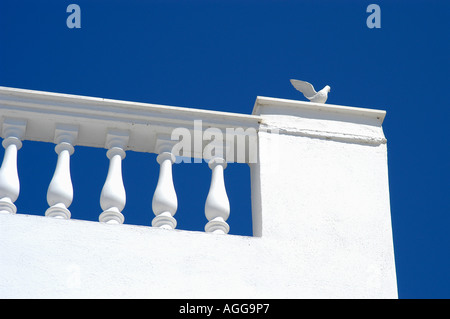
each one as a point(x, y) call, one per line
point(119, 126)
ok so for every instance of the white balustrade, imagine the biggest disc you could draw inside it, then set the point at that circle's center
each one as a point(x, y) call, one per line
point(113, 196)
point(13, 131)
point(60, 190)
point(119, 126)
point(217, 206)
point(165, 203)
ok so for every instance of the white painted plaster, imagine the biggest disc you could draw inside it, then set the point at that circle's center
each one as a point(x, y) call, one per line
point(321, 219)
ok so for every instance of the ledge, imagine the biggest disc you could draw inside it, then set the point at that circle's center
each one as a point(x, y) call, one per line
point(118, 108)
point(94, 116)
point(323, 121)
point(270, 105)
point(145, 121)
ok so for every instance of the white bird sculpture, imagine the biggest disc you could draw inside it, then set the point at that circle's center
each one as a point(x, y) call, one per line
point(308, 91)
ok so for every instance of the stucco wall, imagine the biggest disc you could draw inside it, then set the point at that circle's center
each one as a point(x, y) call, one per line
point(326, 203)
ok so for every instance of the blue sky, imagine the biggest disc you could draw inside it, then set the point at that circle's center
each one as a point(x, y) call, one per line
point(220, 55)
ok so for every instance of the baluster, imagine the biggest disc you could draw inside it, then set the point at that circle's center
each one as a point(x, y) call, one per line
point(13, 131)
point(217, 206)
point(60, 190)
point(113, 196)
point(165, 203)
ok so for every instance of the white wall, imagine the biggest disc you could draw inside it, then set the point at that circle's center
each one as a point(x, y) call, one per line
point(327, 206)
point(323, 185)
point(321, 215)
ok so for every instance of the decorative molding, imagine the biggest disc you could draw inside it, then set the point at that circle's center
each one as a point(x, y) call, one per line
point(95, 116)
point(324, 121)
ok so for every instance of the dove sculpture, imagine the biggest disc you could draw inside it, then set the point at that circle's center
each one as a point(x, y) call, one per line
point(308, 91)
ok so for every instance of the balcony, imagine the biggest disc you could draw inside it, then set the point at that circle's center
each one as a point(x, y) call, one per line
point(118, 126)
point(320, 210)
